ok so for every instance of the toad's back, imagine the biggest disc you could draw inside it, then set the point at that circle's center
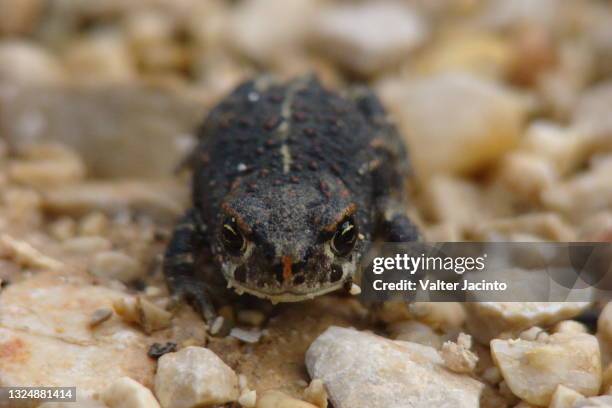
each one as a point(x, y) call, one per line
point(291, 133)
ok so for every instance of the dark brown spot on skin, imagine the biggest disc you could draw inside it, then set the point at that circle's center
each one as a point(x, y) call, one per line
point(310, 132)
point(271, 123)
point(336, 274)
point(299, 116)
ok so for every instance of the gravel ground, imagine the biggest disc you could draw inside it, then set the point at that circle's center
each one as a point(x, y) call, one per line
point(505, 106)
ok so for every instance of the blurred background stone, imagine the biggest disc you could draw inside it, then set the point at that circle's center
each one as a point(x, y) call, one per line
point(129, 131)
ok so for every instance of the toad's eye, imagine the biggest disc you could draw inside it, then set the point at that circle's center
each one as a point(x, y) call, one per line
point(345, 237)
point(232, 239)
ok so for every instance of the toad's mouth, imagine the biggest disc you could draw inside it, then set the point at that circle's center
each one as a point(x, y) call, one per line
point(284, 294)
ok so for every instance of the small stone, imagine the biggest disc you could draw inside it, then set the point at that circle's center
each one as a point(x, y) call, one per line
point(355, 289)
point(347, 360)
point(44, 165)
point(564, 397)
point(270, 44)
point(486, 320)
point(534, 369)
point(247, 336)
point(454, 200)
point(142, 312)
point(27, 63)
point(157, 350)
point(150, 34)
point(217, 324)
point(457, 356)
point(277, 399)
point(547, 226)
point(248, 399)
point(86, 245)
point(366, 38)
point(95, 223)
point(100, 316)
point(583, 194)
point(22, 206)
point(63, 228)
point(115, 265)
point(534, 333)
point(316, 393)
point(101, 57)
point(479, 53)
point(194, 376)
point(470, 136)
point(570, 326)
point(26, 255)
point(127, 393)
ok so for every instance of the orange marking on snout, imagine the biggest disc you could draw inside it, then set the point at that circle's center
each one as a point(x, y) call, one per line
point(287, 272)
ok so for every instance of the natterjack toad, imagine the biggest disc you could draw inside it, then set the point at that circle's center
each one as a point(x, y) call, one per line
point(290, 181)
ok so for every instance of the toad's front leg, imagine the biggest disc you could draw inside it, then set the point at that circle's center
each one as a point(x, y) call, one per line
point(393, 223)
point(184, 261)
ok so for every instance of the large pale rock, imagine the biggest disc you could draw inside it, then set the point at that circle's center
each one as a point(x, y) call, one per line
point(360, 369)
point(448, 135)
point(47, 340)
point(368, 37)
point(534, 369)
point(128, 131)
point(487, 320)
point(194, 376)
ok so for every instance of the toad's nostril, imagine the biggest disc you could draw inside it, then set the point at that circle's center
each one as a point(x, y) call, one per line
point(299, 279)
